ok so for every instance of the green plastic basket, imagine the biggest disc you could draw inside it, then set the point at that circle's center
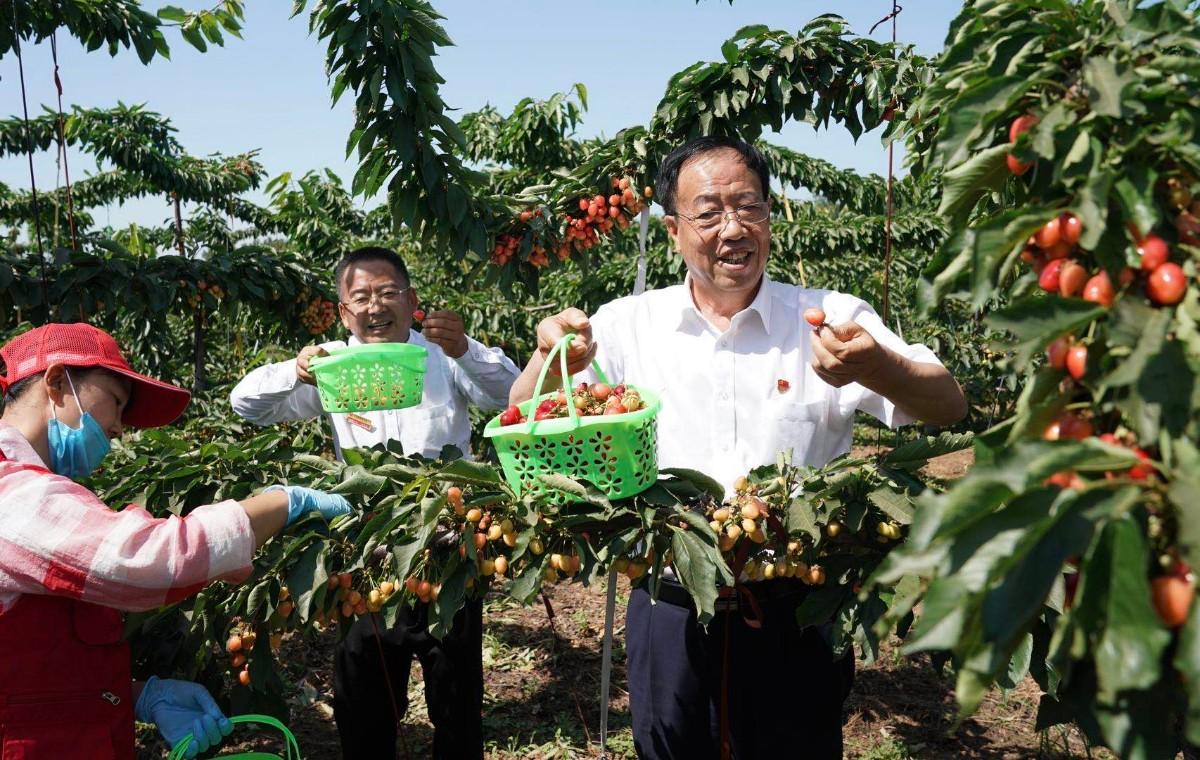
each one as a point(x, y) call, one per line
point(371, 376)
point(292, 748)
point(618, 453)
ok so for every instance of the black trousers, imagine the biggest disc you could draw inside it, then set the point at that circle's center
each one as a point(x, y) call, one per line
point(453, 683)
point(786, 690)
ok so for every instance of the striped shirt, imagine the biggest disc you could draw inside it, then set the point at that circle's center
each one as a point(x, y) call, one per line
point(57, 537)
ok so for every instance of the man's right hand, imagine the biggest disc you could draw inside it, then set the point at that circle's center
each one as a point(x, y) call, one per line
point(307, 354)
point(580, 351)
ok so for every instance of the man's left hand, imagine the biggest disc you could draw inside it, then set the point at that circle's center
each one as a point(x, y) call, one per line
point(447, 331)
point(845, 353)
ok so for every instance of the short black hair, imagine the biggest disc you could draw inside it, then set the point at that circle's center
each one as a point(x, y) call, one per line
point(370, 253)
point(668, 171)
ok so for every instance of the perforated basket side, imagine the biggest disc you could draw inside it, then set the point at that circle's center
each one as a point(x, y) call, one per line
point(359, 387)
point(618, 456)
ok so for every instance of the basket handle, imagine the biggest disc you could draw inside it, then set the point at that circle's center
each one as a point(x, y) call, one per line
point(560, 348)
point(177, 752)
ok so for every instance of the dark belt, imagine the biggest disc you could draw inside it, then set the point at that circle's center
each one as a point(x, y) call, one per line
point(778, 589)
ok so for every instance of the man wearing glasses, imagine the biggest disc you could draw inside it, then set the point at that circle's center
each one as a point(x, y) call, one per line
point(376, 304)
point(742, 377)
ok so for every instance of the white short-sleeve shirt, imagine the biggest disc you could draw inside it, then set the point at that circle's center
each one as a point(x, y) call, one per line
point(725, 410)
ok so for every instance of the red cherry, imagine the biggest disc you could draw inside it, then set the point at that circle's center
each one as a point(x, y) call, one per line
point(510, 416)
point(1021, 125)
point(1154, 252)
point(1076, 361)
point(1099, 290)
point(1188, 227)
point(1071, 279)
point(1071, 228)
point(814, 316)
point(601, 391)
point(1166, 284)
point(1016, 166)
point(1048, 235)
point(1060, 250)
point(1141, 471)
point(1056, 352)
point(1048, 280)
point(419, 315)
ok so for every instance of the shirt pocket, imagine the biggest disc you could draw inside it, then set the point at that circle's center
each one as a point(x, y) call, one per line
point(426, 429)
point(796, 427)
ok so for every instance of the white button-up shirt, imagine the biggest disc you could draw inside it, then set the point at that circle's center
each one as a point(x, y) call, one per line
point(482, 376)
point(724, 409)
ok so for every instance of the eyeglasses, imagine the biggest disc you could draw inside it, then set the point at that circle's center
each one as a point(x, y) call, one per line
point(386, 297)
point(751, 213)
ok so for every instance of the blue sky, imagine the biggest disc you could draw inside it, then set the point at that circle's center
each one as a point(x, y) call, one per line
point(268, 91)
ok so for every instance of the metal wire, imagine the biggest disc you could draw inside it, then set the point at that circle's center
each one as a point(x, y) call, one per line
point(37, 214)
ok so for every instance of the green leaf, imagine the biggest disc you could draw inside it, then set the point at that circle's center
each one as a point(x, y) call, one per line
point(258, 597)
point(478, 473)
point(306, 579)
point(172, 13)
point(699, 565)
point(1105, 85)
point(963, 185)
point(1018, 664)
point(357, 481)
point(1153, 332)
point(526, 585)
point(450, 597)
point(915, 454)
point(1037, 320)
point(802, 519)
point(895, 505)
point(700, 480)
point(1187, 662)
point(729, 51)
point(406, 553)
point(1115, 587)
point(1135, 191)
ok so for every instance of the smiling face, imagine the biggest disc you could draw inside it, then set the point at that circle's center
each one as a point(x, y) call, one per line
point(728, 260)
point(376, 303)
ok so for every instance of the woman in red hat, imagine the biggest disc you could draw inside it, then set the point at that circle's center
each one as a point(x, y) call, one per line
point(69, 563)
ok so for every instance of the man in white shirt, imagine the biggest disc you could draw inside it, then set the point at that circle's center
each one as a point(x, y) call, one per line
point(377, 303)
point(742, 377)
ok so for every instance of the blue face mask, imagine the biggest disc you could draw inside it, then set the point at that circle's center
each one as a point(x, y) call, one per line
point(75, 453)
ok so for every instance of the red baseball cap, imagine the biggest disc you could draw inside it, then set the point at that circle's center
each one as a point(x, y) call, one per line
point(152, 403)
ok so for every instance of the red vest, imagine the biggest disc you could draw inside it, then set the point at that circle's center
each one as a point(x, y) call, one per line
point(65, 685)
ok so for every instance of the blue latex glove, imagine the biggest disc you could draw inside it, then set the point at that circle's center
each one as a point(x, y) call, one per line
point(303, 500)
point(180, 708)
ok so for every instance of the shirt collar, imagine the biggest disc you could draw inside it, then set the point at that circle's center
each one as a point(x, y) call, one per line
point(761, 304)
point(413, 337)
point(16, 448)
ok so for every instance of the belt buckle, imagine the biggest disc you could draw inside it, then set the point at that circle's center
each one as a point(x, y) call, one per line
point(728, 604)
